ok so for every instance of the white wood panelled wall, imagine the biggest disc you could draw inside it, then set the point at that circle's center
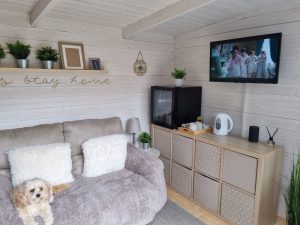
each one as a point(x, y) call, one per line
point(127, 96)
point(266, 104)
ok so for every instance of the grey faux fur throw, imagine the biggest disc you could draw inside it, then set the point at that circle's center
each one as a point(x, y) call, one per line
point(131, 196)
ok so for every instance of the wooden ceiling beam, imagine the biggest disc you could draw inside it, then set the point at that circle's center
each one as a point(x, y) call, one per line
point(168, 13)
point(40, 10)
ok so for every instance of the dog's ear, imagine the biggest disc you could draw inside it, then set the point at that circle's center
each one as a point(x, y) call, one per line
point(50, 192)
point(19, 196)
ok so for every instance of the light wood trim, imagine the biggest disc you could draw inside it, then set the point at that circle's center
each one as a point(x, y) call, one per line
point(163, 15)
point(52, 71)
point(41, 9)
point(199, 212)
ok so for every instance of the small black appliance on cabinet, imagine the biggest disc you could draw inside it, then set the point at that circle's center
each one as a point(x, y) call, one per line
point(173, 106)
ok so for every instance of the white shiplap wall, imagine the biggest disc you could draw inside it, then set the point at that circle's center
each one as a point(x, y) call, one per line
point(265, 104)
point(127, 95)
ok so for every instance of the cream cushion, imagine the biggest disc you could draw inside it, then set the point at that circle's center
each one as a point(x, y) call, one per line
point(50, 162)
point(104, 154)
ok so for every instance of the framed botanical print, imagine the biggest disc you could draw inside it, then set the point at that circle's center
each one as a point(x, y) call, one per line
point(72, 55)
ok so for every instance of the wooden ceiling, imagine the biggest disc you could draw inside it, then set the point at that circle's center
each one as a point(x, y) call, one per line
point(167, 18)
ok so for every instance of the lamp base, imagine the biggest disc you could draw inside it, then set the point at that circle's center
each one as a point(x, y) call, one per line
point(133, 139)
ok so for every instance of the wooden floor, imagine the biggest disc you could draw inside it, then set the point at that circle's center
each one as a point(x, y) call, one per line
point(200, 213)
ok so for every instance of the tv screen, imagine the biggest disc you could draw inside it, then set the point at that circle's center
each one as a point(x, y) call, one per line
point(247, 60)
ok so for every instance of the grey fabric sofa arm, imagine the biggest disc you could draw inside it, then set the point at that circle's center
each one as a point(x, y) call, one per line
point(149, 167)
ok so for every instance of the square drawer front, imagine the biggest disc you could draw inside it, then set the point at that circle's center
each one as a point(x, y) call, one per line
point(166, 163)
point(240, 170)
point(208, 159)
point(206, 192)
point(236, 206)
point(182, 150)
point(182, 179)
point(162, 141)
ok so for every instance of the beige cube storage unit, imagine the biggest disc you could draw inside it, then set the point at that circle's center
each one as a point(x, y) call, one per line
point(162, 141)
point(233, 178)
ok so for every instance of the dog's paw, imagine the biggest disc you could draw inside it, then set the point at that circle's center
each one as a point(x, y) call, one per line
point(33, 223)
point(49, 221)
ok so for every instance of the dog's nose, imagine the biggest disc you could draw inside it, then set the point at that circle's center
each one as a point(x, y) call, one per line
point(38, 195)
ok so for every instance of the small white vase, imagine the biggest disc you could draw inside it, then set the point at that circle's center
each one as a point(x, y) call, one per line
point(178, 82)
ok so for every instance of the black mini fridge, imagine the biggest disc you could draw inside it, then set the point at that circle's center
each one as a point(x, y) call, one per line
point(173, 106)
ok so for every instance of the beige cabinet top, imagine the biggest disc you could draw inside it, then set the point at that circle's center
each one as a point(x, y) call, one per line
point(232, 142)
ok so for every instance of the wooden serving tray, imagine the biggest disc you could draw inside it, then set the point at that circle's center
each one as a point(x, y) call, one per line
point(197, 132)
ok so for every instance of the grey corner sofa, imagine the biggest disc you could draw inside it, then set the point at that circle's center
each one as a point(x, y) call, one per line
point(131, 196)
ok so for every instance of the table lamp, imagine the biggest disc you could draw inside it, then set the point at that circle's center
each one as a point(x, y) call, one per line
point(133, 127)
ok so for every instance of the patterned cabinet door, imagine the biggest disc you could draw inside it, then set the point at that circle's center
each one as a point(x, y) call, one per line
point(208, 159)
point(182, 179)
point(166, 163)
point(237, 206)
point(182, 150)
point(206, 192)
point(162, 141)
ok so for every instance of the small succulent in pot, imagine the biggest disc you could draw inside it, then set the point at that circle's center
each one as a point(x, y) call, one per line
point(2, 53)
point(145, 138)
point(179, 74)
point(20, 51)
point(48, 56)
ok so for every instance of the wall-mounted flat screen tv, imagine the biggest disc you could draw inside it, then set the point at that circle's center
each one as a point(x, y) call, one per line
point(246, 60)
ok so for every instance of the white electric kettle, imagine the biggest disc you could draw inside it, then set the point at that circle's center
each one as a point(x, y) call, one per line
point(223, 124)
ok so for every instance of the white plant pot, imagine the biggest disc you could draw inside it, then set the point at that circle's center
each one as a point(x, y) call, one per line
point(145, 146)
point(23, 63)
point(47, 64)
point(178, 82)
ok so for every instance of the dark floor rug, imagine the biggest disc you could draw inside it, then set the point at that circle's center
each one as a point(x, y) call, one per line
point(172, 214)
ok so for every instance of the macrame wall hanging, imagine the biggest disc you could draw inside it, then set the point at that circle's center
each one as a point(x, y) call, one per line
point(140, 67)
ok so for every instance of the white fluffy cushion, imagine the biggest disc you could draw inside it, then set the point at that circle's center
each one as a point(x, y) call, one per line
point(104, 155)
point(51, 162)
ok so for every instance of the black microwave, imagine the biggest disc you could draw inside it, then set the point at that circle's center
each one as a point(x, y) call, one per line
point(173, 106)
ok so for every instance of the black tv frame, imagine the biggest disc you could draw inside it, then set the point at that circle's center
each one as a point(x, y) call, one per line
point(247, 80)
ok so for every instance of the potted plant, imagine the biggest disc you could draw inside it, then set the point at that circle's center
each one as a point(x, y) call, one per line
point(2, 52)
point(145, 138)
point(292, 196)
point(21, 52)
point(179, 75)
point(48, 56)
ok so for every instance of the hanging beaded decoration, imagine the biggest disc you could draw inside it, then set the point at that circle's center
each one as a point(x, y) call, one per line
point(140, 67)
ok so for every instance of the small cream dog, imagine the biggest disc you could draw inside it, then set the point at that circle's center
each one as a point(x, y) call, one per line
point(31, 199)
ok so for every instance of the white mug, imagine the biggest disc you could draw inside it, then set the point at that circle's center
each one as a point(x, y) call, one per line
point(199, 125)
point(193, 126)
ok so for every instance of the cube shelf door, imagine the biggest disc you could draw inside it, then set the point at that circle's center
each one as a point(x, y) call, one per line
point(227, 175)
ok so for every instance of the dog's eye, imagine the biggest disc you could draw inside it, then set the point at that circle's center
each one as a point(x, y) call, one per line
point(32, 190)
point(41, 189)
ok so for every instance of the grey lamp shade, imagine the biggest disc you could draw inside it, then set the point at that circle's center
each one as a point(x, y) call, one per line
point(133, 126)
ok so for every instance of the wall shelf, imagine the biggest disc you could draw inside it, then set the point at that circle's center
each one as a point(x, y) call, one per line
point(52, 71)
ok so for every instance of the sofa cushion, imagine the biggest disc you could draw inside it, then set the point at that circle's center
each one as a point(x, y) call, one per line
point(22, 137)
point(77, 132)
point(121, 197)
point(50, 162)
point(104, 155)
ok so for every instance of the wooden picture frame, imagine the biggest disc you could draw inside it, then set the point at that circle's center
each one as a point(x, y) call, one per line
point(72, 55)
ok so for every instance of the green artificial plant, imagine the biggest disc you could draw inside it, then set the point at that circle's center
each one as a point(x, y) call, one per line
point(179, 73)
point(19, 50)
point(2, 52)
point(292, 196)
point(145, 137)
point(47, 54)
